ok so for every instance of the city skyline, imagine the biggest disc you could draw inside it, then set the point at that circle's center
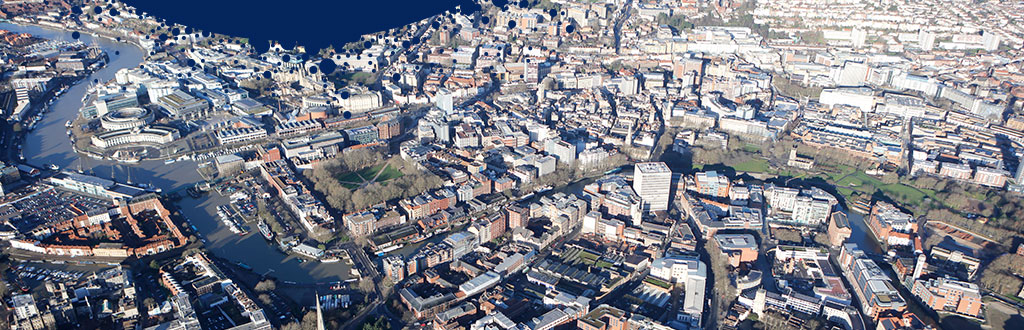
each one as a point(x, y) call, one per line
point(536, 164)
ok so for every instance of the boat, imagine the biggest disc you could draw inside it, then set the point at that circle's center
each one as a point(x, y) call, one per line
point(265, 230)
point(389, 249)
point(613, 171)
point(67, 124)
point(169, 161)
point(244, 266)
point(125, 157)
point(420, 238)
point(20, 283)
point(54, 167)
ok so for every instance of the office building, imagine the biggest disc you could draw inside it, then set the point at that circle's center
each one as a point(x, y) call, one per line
point(652, 182)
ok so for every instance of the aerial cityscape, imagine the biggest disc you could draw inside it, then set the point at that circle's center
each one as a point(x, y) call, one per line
point(517, 165)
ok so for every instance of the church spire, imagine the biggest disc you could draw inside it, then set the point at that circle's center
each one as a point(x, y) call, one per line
point(319, 314)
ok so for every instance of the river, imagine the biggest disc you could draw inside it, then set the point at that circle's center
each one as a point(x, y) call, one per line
point(49, 144)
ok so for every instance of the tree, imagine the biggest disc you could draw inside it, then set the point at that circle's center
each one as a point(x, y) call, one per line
point(787, 235)
point(721, 276)
point(890, 178)
point(308, 322)
point(677, 22)
point(822, 239)
point(266, 285)
point(154, 265)
point(326, 52)
point(366, 285)
point(379, 323)
point(1002, 276)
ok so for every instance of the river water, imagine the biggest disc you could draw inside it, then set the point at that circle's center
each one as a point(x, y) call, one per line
point(49, 144)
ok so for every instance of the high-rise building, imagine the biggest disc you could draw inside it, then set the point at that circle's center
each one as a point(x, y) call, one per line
point(564, 151)
point(990, 41)
point(652, 181)
point(926, 40)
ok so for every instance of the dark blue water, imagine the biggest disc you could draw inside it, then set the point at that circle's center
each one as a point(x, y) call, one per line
point(314, 24)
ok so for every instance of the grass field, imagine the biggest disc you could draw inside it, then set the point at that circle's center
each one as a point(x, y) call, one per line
point(860, 181)
point(753, 166)
point(383, 173)
point(350, 177)
point(389, 173)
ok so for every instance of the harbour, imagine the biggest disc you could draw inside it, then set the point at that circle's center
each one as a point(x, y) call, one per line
point(46, 145)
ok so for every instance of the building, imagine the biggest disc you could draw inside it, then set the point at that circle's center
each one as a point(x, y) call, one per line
point(892, 226)
point(109, 103)
point(155, 135)
point(126, 118)
point(957, 260)
point(362, 135)
point(739, 248)
point(394, 268)
point(603, 317)
point(564, 151)
point(179, 104)
point(947, 295)
point(235, 135)
point(839, 229)
point(877, 294)
point(652, 181)
point(811, 211)
point(712, 183)
point(690, 272)
point(94, 186)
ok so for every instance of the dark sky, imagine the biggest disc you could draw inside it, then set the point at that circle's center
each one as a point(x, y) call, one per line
point(313, 24)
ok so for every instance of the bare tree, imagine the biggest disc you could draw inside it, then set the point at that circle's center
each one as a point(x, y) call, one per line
point(266, 285)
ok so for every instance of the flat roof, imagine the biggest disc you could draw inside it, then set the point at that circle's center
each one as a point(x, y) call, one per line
point(736, 241)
